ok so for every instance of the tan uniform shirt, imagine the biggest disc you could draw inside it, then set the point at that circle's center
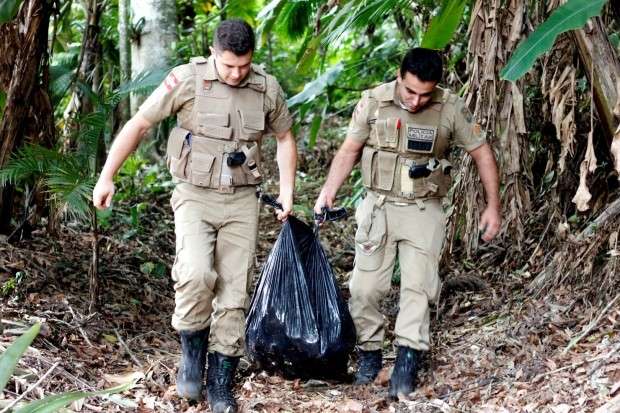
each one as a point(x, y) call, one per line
point(175, 95)
point(464, 132)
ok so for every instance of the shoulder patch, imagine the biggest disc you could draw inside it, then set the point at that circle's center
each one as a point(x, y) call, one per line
point(171, 82)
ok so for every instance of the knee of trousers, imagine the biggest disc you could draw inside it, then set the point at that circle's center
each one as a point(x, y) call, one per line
point(193, 278)
point(365, 294)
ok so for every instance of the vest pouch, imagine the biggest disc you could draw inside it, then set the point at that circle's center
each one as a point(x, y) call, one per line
point(205, 161)
point(214, 125)
point(386, 166)
point(251, 166)
point(177, 151)
point(386, 132)
point(371, 234)
point(253, 124)
point(367, 167)
point(202, 168)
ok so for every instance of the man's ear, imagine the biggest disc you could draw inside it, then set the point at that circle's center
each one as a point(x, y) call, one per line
point(398, 75)
point(212, 50)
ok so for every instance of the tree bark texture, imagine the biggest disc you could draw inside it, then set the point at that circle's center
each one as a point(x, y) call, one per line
point(152, 45)
point(124, 46)
point(23, 75)
point(603, 69)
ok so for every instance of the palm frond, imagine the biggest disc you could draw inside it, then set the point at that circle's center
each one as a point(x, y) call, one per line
point(142, 84)
point(70, 187)
point(294, 19)
point(28, 163)
point(360, 15)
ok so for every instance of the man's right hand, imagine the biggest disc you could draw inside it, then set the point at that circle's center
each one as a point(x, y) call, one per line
point(102, 193)
point(323, 201)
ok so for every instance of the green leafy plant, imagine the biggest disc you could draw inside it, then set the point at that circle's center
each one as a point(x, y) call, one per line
point(570, 16)
point(8, 9)
point(443, 25)
point(49, 404)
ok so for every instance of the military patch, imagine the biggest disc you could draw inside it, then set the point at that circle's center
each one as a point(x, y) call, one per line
point(171, 82)
point(466, 114)
point(421, 138)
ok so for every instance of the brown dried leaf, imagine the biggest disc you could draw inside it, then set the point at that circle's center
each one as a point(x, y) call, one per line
point(615, 151)
point(350, 406)
point(583, 196)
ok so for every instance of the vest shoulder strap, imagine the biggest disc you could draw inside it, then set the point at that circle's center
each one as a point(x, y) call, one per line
point(199, 60)
point(384, 92)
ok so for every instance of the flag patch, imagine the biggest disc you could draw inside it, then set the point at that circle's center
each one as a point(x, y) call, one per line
point(171, 82)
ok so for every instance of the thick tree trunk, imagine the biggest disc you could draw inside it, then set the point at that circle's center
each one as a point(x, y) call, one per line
point(600, 59)
point(152, 47)
point(24, 43)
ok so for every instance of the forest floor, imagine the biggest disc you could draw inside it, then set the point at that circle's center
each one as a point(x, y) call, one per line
point(495, 348)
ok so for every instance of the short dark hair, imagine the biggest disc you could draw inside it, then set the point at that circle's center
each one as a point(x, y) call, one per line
point(235, 36)
point(424, 63)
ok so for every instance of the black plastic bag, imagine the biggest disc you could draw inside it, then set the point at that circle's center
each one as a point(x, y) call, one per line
point(298, 323)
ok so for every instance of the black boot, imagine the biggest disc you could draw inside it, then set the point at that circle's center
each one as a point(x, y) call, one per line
point(220, 375)
point(192, 366)
point(405, 372)
point(368, 366)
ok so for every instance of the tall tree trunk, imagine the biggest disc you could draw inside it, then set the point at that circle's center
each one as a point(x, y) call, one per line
point(124, 46)
point(22, 54)
point(151, 48)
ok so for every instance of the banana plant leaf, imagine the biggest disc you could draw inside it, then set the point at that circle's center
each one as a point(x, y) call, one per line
point(570, 16)
point(444, 24)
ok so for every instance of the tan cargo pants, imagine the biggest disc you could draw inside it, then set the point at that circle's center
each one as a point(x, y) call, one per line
point(416, 232)
point(215, 244)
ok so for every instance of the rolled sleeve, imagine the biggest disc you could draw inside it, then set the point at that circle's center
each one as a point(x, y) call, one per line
point(278, 116)
point(359, 129)
point(467, 133)
point(170, 96)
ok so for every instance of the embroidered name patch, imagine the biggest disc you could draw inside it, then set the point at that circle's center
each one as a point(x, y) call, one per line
point(421, 138)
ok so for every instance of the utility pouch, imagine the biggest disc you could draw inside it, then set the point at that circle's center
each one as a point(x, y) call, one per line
point(387, 132)
point(177, 151)
point(253, 124)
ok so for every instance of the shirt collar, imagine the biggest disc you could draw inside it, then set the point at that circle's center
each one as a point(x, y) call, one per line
point(211, 74)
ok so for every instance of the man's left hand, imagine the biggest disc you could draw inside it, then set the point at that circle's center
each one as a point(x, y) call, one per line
point(490, 221)
point(287, 207)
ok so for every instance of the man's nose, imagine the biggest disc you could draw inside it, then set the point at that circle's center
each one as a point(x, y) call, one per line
point(415, 100)
point(236, 73)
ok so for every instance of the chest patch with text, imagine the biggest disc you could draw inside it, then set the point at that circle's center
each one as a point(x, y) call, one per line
point(421, 138)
